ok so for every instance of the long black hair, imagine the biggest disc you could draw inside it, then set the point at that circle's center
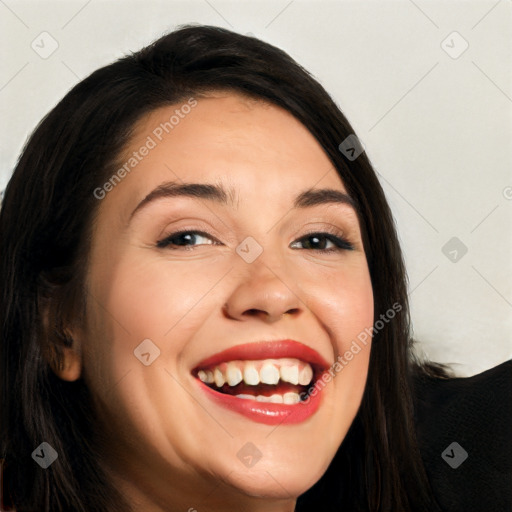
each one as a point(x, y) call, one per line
point(45, 230)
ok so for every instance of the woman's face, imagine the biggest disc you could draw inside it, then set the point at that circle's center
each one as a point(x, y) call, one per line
point(164, 308)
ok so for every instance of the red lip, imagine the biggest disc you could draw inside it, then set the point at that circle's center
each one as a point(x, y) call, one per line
point(265, 412)
point(267, 350)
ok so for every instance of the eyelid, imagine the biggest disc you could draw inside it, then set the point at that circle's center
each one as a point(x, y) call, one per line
point(325, 223)
point(341, 242)
point(335, 233)
point(180, 231)
point(198, 225)
point(313, 227)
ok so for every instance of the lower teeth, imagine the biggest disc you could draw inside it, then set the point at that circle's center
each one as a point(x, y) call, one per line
point(287, 398)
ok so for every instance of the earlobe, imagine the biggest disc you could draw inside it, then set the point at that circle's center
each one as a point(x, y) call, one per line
point(70, 367)
point(65, 358)
point(60, 332)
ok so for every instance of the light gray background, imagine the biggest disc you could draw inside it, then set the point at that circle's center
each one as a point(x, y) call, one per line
point(437, 128)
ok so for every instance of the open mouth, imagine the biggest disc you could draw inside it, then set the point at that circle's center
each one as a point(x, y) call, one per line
point(277, 380)
point(270, 382)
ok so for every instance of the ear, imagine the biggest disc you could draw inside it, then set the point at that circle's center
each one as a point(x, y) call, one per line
point(70, 365)
point(66, 358)
point(60, 328)
point(60, 345)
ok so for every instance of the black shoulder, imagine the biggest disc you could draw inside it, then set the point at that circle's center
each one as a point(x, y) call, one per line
point(464, 428)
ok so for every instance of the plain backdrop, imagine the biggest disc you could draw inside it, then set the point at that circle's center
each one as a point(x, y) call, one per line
point(425, 84)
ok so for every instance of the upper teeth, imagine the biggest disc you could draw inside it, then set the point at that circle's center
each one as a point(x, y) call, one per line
point(253, 373)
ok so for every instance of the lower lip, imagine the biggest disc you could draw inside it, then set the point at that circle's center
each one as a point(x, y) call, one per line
point(265, 412)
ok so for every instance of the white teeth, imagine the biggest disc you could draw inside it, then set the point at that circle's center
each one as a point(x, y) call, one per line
point(269, 374)
point(290, 374)
point(218, 377)
point(205, 376)
point(233, 374)
point(251, 375)
point(275, 399)
point(305, 375)
point(291, 398)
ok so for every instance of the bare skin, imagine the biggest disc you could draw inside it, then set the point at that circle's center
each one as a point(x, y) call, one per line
point(169, 446)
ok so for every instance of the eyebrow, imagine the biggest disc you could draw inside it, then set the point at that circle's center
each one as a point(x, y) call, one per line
point(220, 195)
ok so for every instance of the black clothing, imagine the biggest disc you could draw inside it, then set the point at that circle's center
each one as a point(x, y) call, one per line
point(476, 413)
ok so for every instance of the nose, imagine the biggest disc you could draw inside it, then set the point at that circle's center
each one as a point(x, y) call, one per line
point(263, 295)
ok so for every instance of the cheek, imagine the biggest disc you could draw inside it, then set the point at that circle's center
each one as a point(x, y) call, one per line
point(151, 298)
point(344, 307)
point(135, 298)
point(343, 302)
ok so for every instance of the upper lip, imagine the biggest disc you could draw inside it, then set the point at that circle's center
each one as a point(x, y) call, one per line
point(267, 350)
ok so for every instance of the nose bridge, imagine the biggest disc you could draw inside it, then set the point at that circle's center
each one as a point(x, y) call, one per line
point(264, 287)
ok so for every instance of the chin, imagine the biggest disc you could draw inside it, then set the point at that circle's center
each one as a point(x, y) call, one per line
point(273, 481)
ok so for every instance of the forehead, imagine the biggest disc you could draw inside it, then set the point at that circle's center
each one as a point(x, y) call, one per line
point(252, 147)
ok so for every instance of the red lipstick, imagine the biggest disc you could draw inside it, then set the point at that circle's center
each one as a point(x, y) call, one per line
point(267, 350)
point(267, 412)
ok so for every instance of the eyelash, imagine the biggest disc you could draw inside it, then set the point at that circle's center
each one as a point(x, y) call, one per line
point(341, 243)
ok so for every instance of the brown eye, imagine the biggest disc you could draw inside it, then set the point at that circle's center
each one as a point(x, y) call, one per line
point(185, 239)
point(320, 241)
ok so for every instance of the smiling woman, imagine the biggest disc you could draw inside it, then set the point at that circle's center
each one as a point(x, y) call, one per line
point(215, 333)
